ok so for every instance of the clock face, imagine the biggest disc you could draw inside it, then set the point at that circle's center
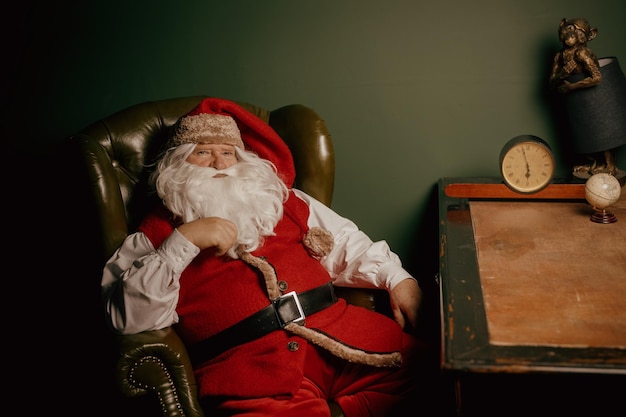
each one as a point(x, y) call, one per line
point(527, 164)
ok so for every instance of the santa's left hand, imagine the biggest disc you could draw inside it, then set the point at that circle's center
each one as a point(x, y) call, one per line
point(406, 299)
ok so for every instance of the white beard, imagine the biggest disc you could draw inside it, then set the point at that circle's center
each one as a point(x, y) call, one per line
point(251, 195)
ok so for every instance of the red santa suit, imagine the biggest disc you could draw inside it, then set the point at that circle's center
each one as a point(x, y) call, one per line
point(215, 293)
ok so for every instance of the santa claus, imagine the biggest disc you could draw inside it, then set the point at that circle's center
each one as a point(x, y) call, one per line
point(244, 267)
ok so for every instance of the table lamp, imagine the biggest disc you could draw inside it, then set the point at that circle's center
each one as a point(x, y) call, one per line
point(597, 119)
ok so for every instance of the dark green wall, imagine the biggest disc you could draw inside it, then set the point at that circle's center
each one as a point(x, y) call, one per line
point(411, 90)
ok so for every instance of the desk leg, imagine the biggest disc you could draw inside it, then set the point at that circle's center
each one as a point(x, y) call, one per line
point(458, 398)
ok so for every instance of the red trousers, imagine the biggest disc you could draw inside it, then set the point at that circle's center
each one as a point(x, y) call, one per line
point(359, 390)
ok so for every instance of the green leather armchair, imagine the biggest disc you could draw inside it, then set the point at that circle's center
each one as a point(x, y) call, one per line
point(109, 158)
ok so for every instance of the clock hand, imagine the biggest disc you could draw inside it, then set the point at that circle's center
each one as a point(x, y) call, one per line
point(527, 165)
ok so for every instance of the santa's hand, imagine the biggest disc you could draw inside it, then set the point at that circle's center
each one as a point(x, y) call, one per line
point(210, 232)
point(406, 299)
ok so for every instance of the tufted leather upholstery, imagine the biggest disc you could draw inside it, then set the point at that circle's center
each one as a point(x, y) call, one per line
point(111, 156)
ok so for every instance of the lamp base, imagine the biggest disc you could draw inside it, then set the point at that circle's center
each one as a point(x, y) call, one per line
point(585, 175)
point(603, 216)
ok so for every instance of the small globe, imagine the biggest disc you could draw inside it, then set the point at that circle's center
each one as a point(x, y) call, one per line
point(602, 190)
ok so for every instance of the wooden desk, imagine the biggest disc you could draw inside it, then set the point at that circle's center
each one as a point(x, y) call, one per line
point(532, 293)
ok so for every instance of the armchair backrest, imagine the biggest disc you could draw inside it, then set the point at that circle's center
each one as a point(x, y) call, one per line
point(113, 155)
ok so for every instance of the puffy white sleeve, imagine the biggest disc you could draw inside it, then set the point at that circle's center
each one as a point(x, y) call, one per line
point(356, 260)
point(140, 284)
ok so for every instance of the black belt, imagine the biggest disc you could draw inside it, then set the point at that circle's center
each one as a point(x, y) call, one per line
point(289, 308)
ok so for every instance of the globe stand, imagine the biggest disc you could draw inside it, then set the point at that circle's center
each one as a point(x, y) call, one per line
point(603, 216)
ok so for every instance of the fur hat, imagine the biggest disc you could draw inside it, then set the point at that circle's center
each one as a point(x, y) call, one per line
point(206, 128)
point(249, 132)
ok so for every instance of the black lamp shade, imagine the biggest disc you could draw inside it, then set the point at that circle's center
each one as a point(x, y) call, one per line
point(597, 114)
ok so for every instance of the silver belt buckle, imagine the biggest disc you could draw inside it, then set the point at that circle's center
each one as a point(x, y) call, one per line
point(285, 311)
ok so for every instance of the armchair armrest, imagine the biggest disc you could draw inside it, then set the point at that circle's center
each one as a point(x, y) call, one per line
point(371, 298)
point(157, 362)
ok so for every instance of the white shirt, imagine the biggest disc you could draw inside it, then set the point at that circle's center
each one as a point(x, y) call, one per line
point(140, 284)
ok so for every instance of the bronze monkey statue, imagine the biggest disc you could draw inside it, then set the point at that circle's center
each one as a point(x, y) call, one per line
point(575, 57)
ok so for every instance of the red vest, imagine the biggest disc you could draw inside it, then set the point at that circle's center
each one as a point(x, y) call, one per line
point(216, 293)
